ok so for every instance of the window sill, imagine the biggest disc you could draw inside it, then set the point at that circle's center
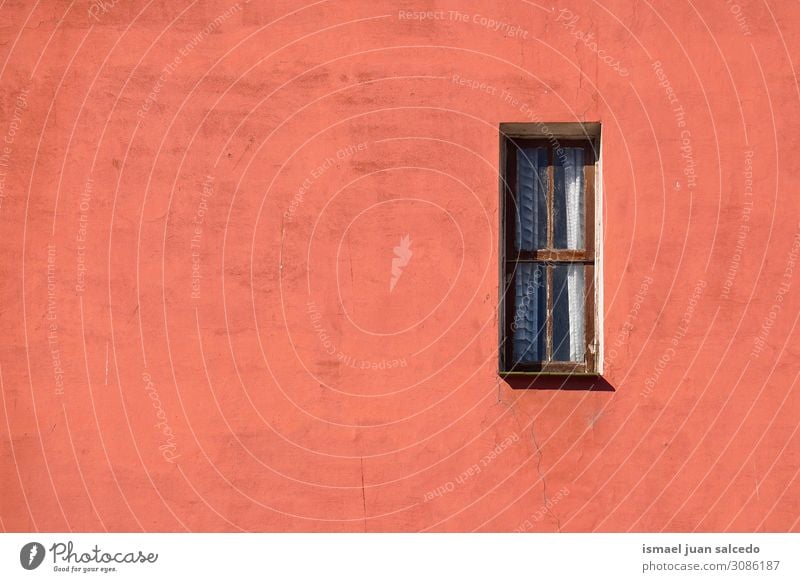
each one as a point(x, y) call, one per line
point(561, 369)
point(557, 374)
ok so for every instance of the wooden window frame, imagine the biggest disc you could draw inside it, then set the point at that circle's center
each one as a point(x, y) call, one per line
point(577, 135)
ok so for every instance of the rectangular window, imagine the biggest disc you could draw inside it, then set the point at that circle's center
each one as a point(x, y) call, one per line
point(550, 263)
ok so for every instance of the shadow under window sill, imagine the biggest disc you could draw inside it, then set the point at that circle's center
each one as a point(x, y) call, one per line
point(556, 381)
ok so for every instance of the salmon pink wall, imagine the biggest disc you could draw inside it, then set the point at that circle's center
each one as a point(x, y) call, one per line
point(250, 267)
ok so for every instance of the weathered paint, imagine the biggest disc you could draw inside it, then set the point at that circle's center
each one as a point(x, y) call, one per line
point(219, 190)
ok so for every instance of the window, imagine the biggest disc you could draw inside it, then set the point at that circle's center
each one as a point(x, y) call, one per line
point(549, 260)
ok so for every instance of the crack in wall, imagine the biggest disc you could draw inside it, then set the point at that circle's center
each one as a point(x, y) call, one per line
point(363, 495)
point(539, 453)
point(545, 499)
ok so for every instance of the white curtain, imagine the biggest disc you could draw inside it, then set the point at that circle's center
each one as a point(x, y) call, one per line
point(573, 182)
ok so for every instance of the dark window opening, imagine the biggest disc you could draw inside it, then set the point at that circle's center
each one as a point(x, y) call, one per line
point(549, 259)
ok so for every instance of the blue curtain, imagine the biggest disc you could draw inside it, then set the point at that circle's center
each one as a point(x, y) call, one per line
point(532, 183)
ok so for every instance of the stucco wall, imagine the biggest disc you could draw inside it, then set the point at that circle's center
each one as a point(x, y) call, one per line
point(200, 204)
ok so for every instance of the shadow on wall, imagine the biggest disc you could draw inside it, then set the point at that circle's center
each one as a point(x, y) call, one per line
point(542, 382)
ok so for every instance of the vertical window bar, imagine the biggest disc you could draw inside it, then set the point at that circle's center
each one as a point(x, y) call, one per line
point(550, 184)
point(550, 229)
point(549, 320)
point(510, 199)
point(590, 198)
point(591, 347)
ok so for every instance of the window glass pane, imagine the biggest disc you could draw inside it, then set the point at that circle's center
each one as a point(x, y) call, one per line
point(531, 211)
point(568, 195)
point(530, 308)
point(569, 341)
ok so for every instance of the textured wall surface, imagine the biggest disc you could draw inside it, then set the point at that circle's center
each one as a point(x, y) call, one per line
point(249, 262)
